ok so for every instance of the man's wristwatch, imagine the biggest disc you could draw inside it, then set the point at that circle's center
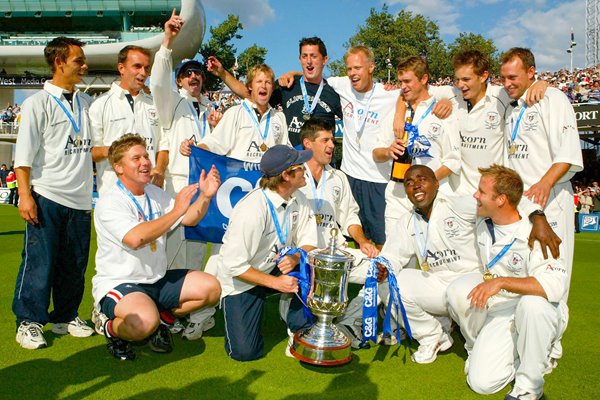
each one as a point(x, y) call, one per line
point(535, 213)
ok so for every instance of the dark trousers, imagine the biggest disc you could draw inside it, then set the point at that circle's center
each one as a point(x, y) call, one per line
point(243, 315)
point(13, 197)
point(54, 260)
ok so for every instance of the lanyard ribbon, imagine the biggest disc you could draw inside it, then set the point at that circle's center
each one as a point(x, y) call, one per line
point(414, 137)
point(422, 248)
point(76, 126)
point(281, 233)
point(513, 136)
point(309, 108)
point(303, 275)
point(201, 130)
point(370, 304)
point(257, 123)
point(149, 217)
point(320, 197)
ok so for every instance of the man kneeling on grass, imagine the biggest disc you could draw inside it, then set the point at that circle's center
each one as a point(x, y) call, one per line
point(132, 285)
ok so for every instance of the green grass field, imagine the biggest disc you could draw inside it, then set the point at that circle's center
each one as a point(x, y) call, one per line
point(72, 368)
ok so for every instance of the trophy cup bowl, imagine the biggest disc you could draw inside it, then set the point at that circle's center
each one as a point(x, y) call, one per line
point(323, 344)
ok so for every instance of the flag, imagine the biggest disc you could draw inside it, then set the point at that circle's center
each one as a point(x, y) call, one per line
point(237, 179)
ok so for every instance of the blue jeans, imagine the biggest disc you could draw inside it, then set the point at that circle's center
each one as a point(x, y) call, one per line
point(54, 260)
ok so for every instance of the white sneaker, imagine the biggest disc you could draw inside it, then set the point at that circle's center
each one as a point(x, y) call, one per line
point(290, 343)
point(176, 327)
point(552, 363)
point(98, 319)
point(520, 394)
point(30, 335)
point(427, 354)
point(391, 340)
point(194, 330)
point(77, 328)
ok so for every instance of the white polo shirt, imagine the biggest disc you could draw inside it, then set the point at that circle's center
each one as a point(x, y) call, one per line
point(114, 216)
point(237, 135)
point(332, 203)
point(547, 134)
point(251, 239)
point(519, 261)
point(59, 157)
point(446, 241)
point(111, 117)
point(178, 117)
point(481, 132)
point(357, 161)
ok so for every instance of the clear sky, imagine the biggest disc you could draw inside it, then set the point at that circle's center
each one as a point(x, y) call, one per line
point(278, 25)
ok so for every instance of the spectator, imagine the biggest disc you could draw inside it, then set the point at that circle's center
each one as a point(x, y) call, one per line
point(585, 200)
point(3, 175)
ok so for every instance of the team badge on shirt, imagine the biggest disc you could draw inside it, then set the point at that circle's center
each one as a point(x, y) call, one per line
point(451, 227)
point(337, 191)
point(294, 218)
point(515, 264)
point(276, 131)
point(434, 131)
point(531, 121)
point(492, 120)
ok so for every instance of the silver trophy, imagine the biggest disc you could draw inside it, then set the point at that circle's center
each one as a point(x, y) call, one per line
point(322, 343)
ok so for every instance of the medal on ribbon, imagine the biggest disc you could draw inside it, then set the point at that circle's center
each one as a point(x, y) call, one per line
point(308, 107)
point(149, 217)
point(263, 135)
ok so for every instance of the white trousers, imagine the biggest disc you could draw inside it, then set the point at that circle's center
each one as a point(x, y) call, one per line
point(515, 342)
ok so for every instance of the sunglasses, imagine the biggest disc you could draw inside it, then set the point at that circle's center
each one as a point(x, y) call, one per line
point(295, 168)
point(188, 72)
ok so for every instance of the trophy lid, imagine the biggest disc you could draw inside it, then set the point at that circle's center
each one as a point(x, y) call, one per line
point(332, 253)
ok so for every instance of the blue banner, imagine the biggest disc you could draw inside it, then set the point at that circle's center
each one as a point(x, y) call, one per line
point(237, 179)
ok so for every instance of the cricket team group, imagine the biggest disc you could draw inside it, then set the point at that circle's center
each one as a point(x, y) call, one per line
point(479, 231)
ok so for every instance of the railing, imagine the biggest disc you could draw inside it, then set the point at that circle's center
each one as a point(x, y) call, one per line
point(8, 129)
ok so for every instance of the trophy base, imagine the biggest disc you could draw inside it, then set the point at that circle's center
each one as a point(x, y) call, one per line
point(324, 347)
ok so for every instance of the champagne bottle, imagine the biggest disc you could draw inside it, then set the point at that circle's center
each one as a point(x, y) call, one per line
point(404, 161)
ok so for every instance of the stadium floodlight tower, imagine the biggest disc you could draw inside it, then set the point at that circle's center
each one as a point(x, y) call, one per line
point(592, 26)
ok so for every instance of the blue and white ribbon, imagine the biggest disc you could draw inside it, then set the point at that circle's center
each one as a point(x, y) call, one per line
point(303, 275)
point(370, 304)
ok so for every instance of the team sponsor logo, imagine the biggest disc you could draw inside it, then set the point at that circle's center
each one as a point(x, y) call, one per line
point(515, 264)
point(531, 121)
point(337, 194)
point(451, 227)
point(434, 131)
point(589, 222)
point(441, 257)
point(77, 144)
point(492, 120)
point(473, 142)
point(295, 124)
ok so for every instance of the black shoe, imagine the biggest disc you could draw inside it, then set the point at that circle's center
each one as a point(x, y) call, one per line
point(119, 348)
point(161, 340)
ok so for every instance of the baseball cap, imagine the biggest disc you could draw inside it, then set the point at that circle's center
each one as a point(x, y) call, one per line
point(185, 64)
point(280, 157)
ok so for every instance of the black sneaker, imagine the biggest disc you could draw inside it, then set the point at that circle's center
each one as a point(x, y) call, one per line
point(118, 347)
point(161, 340)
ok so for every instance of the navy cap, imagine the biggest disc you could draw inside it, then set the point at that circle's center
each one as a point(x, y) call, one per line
point(185, 63)
point(280, 157)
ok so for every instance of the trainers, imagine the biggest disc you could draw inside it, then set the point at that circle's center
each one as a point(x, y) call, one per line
point(77, 328)
point(176, 327)
point(354, 333)
point(30, 335)
point(391, 340)
point(161, 340)
point(118, 347)
point(98, 319)
point(552, 363)
point(427, 353)
point(520, 394)
point(290, 343)
point(194, 330)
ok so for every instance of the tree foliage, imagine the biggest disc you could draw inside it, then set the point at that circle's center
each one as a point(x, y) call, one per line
point(471, 41)
point(250, 57)
point(407, 34)
point(221, 45)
